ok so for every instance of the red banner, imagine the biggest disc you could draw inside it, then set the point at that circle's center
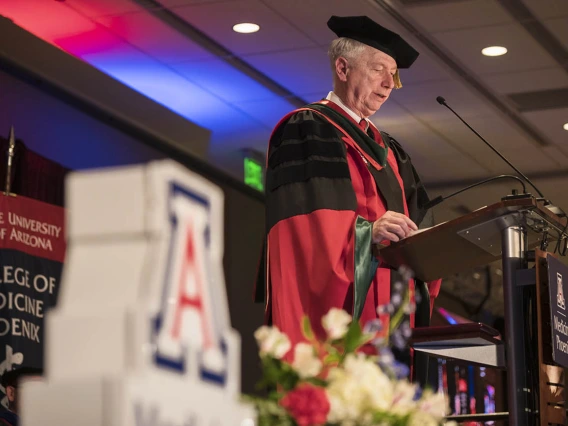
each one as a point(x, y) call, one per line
point(33, 227)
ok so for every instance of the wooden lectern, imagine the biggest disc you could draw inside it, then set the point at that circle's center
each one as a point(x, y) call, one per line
point(508, 230)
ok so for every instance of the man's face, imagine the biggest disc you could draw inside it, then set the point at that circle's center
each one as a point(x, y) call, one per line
point(11, 392)
point(370, 80)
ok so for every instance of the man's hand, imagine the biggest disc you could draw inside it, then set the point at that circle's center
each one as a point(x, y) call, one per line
point(393, 226)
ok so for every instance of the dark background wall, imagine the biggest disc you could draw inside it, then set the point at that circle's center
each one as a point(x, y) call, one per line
point(244, 226)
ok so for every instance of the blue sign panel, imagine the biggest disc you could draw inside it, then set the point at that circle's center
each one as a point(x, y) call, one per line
point(557, 276)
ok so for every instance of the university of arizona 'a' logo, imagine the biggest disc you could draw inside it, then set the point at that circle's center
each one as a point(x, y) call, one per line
point(560, 301)
point(187, 328)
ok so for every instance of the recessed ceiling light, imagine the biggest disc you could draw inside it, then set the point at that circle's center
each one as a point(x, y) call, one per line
point(494, 51)
point(246, 28)
point(565, 126)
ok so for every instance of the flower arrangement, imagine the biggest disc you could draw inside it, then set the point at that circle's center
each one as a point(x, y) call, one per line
point(332, 382)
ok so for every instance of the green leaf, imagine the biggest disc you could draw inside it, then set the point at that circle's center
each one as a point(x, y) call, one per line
point(316, 382)
point(275, 396)
point(366, 338)
point(352, 337)
point(277, 373)
point(332, 358)
point(390, 419)
point(399, 315)
point(270, 413)
point(307, 328)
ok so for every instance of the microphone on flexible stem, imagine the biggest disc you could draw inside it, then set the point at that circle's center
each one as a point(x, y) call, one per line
point(442, 101)
point(554, 209)
point(439, 199)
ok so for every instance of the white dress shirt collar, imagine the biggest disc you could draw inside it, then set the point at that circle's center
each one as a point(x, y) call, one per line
point(336, 100)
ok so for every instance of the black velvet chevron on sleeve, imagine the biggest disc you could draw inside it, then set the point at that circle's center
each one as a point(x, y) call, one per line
point(307, 169)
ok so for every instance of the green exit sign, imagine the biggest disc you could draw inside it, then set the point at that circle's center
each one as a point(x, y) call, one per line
point(254, 175)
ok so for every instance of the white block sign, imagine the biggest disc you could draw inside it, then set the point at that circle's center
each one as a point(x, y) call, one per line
point(153, 342)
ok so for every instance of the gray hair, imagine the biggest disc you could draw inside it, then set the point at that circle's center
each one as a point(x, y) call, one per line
point(345, 47)
point(351, 50)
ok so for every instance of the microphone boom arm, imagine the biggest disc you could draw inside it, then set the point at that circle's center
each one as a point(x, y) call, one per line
point(439, 199)
point(442, 101)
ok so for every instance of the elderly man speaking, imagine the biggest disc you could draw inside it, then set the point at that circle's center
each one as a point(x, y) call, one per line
point(335, 184)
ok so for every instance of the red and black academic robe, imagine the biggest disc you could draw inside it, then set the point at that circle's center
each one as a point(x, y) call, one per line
point(327, 181)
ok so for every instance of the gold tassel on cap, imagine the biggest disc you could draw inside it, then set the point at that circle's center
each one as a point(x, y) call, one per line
point(396, 78)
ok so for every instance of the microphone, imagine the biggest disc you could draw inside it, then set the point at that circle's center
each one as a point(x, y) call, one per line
point(554, 209)
point(440, 198)
point(442, 101)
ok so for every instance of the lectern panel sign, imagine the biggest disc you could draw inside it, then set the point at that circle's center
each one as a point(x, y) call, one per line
point(557, 277)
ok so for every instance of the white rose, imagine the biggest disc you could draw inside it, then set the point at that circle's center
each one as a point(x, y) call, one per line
point(422, 419)
point(356, 390)
point(272, 342)
point(305, 362)
point(372, 379)
point(403, 398)
point(347, 400)
point(434, 404)
point(336, 323)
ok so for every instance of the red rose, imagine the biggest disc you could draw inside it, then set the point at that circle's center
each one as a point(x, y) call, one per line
point(307, 404)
